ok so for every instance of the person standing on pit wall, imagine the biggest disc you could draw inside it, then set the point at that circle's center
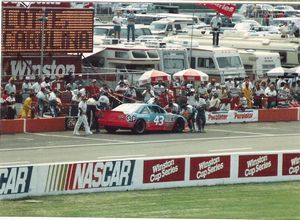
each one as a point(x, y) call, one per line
point(131, 25)
point(82, 107)
point(215, 24)
point(117, 21)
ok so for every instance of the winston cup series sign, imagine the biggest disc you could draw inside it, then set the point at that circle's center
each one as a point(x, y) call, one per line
point(165, 170)
point(258, 165)
point(291, 164)
point(210, 167)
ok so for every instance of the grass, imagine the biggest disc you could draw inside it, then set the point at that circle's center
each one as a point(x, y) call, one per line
point(246, 201)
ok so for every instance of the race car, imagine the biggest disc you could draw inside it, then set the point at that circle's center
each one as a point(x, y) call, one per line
point(140, 117)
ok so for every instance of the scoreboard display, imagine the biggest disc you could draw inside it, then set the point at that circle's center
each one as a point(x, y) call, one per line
point(66, 30)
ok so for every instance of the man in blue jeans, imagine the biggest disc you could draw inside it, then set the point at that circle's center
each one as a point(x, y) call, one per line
point(130, 25)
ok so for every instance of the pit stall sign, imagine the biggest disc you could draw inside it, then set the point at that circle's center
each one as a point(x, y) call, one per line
point(66, 30)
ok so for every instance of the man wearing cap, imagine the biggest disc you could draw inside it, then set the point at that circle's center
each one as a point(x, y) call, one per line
point(82, 107)
point(26, 88)
point(131, 25)
point(10, 86)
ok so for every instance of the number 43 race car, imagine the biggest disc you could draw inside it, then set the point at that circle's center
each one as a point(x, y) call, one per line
point(141, 117)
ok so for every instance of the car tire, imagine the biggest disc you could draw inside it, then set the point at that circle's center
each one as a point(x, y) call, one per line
point(139, 127)
point(111, 129)
point(179, 125)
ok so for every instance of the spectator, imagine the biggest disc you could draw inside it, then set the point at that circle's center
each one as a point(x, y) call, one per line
point(284, 30)
point(271, 94)
point(293, 30)
point(117, 21)
point(259, 94)
point(215, 24)
point(159, 88)
point(26, 88)
point(46, 84)
point(10, 87)
point(121, 88)
point(72, 84)
point(131, 25)
point(214, 104)
point(11, 107)
point(235, 95)
point(42, 101)
point(94, 89)
point(27, 110)
point(80, 81)
point(82, 119)
point(202, 90)
point(36, 87)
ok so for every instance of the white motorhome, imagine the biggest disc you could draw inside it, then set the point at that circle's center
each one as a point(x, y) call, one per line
point(257, 63)
point(289, 49)
point(166, 26)
point(219, 62)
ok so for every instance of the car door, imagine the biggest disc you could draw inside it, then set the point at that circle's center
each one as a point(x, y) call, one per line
point(157, 116)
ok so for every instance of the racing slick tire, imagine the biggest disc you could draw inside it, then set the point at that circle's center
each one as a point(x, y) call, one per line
point(111, 129)
point(139, 127)
point(179, 125)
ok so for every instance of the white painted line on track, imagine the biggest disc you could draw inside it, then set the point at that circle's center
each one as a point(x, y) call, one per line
point(25, 139)
point(79, 137)
point(230, 149)
point(151, 142)
point(237, 132)
point(122, 156)
point(12, 163)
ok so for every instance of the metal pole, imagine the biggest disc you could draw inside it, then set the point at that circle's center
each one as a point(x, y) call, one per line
point(43, 20)
point(192, 35)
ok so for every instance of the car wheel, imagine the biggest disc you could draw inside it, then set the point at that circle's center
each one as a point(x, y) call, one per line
point(139, 127)
point(110, 129)
point(179, 125)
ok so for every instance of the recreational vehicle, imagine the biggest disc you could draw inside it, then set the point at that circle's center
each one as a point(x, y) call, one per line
point(166, 26)
point(219, 62)
point(289, 49)
point(257, 63)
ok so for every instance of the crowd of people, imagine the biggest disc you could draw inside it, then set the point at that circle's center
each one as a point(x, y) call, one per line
point(42, 97)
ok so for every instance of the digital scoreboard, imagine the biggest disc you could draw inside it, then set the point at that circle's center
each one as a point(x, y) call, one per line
point(66, 30)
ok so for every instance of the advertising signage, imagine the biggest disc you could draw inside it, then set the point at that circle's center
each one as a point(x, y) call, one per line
point(66, 30)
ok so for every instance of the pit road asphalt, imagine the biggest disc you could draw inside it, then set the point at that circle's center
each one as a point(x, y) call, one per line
point(52, 147)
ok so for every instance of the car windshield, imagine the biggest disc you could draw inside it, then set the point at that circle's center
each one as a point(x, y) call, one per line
point(157, 27)
point(229, 62)
point(127, 108)
point(100, 31)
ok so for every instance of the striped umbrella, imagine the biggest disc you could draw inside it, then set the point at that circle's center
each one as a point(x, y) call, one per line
point(191, 75)
point(153, 76)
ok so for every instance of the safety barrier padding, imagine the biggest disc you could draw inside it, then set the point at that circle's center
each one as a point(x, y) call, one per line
point(45, 124)
point(11, 126)
point(280, 114)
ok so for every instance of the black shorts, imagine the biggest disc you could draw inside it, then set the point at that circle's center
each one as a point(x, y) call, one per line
point(117, 28)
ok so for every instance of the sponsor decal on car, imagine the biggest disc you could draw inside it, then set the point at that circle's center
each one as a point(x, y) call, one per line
point(90, 175)
point(165, 170)
point(291, 164)
point(15, 180)
point(210, 167)
point(258, 165)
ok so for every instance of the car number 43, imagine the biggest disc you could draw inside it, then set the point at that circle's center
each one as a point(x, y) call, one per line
point(159, 120)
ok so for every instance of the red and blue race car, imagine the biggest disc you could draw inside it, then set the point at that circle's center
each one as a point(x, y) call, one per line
point(141, 117)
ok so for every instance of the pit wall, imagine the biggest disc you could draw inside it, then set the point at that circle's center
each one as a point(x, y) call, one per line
point(148, 173)
point(219, 117)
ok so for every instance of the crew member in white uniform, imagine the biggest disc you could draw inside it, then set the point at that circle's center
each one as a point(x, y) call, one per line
point(82, 107)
